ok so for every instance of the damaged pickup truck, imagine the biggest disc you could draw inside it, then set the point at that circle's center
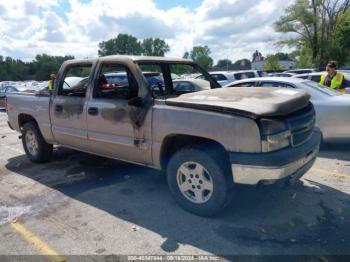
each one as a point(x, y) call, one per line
point(127, 108)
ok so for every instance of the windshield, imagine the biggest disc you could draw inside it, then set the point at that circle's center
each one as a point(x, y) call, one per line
point(325, 90)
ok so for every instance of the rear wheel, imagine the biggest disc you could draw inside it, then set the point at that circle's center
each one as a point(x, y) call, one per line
point(198, 181)
point(34, 145)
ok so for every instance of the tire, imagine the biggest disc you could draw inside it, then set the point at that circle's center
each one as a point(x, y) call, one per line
point(35, 146)
point(195, 195)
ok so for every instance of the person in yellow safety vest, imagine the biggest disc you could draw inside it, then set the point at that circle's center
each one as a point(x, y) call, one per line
point(51, 82)
point(333, 79)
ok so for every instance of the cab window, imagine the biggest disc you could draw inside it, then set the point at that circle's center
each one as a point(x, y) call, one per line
point(316, 78)
point(183, 87)
point(115, 81)
point(244, 75)
point(219, 77)
point(270, 84)
point(75, 80)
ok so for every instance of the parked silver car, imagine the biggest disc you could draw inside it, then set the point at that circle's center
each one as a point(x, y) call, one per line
point(332, 108)
point(316, 77)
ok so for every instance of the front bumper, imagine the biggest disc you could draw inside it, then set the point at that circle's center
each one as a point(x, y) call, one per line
point(252, 168)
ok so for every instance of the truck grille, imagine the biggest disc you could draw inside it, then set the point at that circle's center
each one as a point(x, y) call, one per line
point(301, 125)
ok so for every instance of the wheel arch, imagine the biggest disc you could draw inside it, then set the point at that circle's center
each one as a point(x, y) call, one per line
point(174, 142)
point(25, 118)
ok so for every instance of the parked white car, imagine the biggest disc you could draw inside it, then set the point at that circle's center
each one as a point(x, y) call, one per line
point(332, 108)
point(226, 77)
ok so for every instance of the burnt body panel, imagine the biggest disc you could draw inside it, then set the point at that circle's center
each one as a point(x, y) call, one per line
point(234, 133)
point(249, 102)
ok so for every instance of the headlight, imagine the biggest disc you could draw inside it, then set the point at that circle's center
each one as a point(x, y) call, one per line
point(275, 134)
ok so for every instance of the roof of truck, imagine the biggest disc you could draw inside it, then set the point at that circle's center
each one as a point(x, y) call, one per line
point(131, 58)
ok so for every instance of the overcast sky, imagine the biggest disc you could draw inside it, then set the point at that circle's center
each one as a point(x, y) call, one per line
point(232, 29)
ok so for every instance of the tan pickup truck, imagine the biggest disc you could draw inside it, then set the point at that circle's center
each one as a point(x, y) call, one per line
point(128, 108)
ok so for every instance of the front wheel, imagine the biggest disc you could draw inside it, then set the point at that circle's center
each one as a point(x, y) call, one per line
point(198, 181)
point(34, 145)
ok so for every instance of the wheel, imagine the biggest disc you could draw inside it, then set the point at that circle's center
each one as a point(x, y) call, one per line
point(34, 145)
point(198, 181)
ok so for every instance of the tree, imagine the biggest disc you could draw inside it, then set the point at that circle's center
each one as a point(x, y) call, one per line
point(224, 64)
point(201, 55)
point(186, 55)
point(123, 44)
point(272, 63)
point(154, 47)
point(242, 64)
point(283, 56)
point(313, 24)
point(340, 43)
point(45, 65)
point(39, 69)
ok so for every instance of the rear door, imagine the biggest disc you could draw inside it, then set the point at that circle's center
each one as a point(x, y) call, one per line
point(115, 128)
point(68, 107)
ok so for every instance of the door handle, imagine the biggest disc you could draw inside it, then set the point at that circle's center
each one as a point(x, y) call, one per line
point(93, 111)
point(58, 108)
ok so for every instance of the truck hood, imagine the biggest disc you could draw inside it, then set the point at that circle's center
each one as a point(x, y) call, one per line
point(248, 101)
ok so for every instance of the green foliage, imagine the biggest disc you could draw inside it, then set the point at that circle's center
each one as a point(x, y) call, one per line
point(39, 69)
point(154, 47)
point(46, 65)
point(224, 64)
point(123, 44)
point(319, 28)
point(242, 64)
point(227, 64)
point(201, 55)
point(303, 58)
point(283, 56)
point(340, 43)
point(272, 63)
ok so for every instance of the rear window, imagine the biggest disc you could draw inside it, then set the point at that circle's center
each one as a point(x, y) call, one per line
point(316, 78)
point(218, 77)
point(246, 84)
point(303, 77)
point(244, 75)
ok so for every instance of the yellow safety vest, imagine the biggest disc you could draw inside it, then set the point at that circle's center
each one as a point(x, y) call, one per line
point(50, 85)
point(336, 81)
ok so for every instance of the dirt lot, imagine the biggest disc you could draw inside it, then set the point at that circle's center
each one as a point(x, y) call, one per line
point(80, 204)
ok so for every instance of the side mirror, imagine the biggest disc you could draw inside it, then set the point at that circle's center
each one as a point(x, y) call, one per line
point(136, 102)
point(347, 90)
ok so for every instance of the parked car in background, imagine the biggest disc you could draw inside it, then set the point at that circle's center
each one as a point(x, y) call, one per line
point(282, 74)
point(316, 77)
point(300, 71)
point(226, 77)
point(332, 108)
point(182, 86)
